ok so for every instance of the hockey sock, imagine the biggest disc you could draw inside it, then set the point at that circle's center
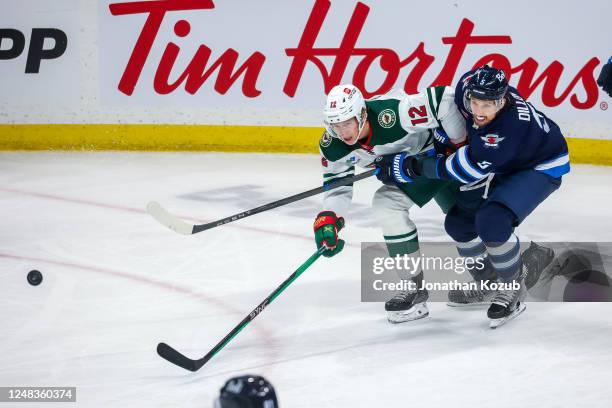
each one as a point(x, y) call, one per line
point(506, 258)
point(476, 249)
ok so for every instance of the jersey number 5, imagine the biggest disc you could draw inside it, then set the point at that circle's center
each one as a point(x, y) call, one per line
point(418, 115)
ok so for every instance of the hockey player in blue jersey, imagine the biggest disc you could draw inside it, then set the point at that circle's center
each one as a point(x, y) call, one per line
point(515, 158)
point(605, 77)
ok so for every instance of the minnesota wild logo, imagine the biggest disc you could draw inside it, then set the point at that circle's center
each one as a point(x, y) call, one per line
point(386, 118)
point(326, 140)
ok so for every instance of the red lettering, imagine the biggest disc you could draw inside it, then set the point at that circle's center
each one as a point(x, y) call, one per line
point(458, 45)
point(305, 51)
point(195, 73)
point(411, 85)
point(587, 76)
point(157, 10)
point(389, 61)
point(550, 78)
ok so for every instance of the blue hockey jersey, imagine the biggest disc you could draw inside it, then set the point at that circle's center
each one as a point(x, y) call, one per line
point(519, 138)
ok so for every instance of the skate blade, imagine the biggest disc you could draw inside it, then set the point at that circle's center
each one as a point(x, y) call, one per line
point(416, 312)
point(468, 305)
point(495, 323)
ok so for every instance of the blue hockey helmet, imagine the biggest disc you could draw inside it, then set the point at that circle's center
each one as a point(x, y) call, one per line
point(247, 391)
point(486, 83)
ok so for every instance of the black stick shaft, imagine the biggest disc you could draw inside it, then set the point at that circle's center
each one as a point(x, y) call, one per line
point(284, 201)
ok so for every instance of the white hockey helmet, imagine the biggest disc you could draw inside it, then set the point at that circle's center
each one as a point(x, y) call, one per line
point(344, 102)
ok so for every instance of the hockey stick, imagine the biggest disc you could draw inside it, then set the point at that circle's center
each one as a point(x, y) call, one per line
point(173, 356)
point(165, 218)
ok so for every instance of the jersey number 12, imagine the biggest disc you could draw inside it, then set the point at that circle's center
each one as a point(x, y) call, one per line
point(418, 115)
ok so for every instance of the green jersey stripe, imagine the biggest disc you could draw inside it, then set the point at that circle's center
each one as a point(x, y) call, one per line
point(439, 94)
point(333, 180)
point(330, 176)
point(402, 237)
point(433, 105)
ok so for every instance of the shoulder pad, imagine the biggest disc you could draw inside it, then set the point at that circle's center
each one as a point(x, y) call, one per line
point(334, 149)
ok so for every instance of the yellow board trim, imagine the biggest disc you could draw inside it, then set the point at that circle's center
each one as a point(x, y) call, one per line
point(276, 139)
point(160, 138)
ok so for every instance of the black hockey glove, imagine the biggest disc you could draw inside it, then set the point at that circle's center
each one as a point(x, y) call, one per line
point(441, 142)
point(605, 78)
point(397, 168)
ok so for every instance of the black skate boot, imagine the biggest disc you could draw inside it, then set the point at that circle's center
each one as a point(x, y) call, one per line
point(475, 297)
point(507, 304)
point(536, 259)
point(408, 305)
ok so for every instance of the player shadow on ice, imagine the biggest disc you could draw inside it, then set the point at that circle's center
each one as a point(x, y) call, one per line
point(251, 195)
point(579, 273)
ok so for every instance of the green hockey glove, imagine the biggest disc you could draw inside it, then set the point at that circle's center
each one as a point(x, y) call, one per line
point(326, 228)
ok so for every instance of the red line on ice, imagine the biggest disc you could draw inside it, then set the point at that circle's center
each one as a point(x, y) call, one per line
point(142, 211)
point(266, 337)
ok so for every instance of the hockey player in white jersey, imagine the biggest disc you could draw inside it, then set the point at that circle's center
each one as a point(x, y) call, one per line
point(357, 131)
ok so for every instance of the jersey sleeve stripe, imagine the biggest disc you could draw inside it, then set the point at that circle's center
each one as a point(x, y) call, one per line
point(556, 167)
point(450, 168)
point(432, 103)
point(557, 161)
point(326, 183)
point(332, 176)
point(439, 94)
point(466, 165)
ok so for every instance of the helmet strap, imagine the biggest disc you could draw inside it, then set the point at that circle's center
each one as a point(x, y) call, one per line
point(362, 119)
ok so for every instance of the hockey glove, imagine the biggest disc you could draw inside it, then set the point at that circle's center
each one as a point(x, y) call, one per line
point(397, 168)
point(326, 228)
point(443, 144)
point(605, 77)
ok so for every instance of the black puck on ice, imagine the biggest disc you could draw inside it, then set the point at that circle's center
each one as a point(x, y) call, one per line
point(34, 277)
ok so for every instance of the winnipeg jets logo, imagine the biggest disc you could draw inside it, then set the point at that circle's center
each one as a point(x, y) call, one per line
point(492, 140)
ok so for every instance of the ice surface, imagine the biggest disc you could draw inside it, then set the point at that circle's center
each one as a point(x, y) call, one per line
point(116, 283)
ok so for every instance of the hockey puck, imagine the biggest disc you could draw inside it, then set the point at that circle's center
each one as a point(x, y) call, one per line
point(35, 277)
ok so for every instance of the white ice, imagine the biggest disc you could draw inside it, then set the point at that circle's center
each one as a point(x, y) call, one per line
point(116, 283)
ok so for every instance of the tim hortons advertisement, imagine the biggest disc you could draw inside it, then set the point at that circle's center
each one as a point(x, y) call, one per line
point(288, 54)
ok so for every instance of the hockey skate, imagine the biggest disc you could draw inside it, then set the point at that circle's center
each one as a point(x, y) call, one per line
point(475, 297)
point(472, 297)
point(535, 260)
point(507, 305)
point(407, 305)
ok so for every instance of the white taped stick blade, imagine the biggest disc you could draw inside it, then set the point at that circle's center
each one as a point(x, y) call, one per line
point(165, 218)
